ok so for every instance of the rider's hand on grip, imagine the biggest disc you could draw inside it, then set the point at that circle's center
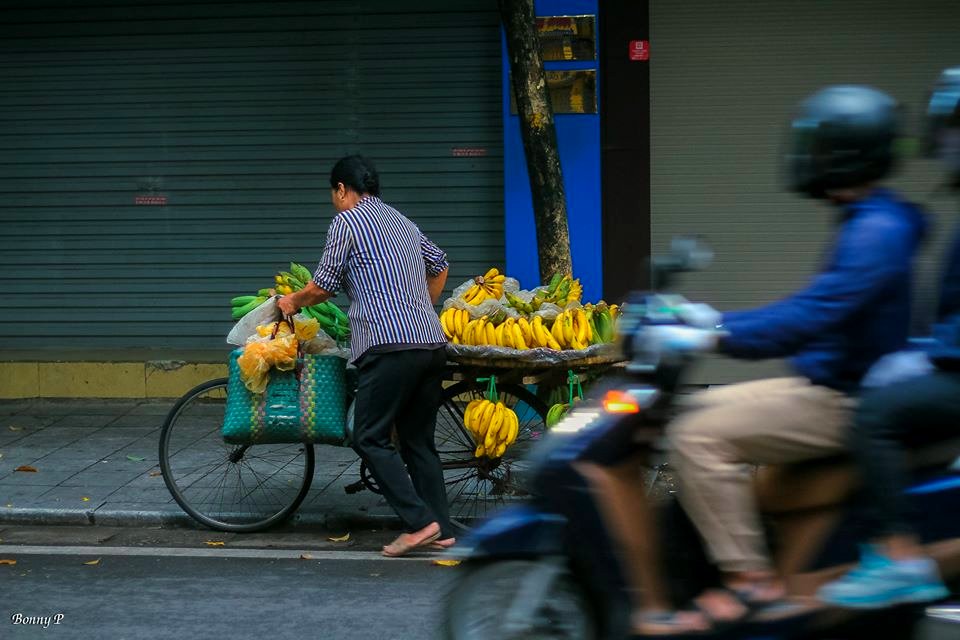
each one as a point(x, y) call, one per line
point(698, 314)
point(678, 339)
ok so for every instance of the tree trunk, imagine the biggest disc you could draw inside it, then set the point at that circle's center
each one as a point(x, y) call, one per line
point(539, 137)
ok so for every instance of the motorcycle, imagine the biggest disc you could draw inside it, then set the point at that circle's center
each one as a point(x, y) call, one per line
point(549, 568)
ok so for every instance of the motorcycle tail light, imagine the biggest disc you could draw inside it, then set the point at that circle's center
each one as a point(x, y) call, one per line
point(620, 402)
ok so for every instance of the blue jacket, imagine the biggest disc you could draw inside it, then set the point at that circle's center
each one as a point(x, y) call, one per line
point(856, 310)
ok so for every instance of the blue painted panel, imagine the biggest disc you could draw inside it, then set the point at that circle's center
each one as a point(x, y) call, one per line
point(578, 138)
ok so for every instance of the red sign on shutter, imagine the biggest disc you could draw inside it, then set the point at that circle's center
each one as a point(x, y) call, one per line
point(639, 50)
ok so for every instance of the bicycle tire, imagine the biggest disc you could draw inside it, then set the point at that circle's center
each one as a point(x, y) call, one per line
point(235, 524)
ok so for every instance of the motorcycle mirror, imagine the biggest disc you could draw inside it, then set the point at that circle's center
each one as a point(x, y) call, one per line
point(687, 253)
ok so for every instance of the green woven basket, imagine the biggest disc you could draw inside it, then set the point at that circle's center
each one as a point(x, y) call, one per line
point(311, 410)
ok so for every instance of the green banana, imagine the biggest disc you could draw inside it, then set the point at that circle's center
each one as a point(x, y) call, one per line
point(241, 301)
point(556, 414)
point(239, 312)
point(301, 272)
point(554, 283)
point(264, 292)
point(292, 280)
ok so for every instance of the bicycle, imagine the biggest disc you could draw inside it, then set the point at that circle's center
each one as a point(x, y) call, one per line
point(248, 488)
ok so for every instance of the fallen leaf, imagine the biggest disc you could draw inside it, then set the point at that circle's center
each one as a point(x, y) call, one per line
point(92, 563)
point(446, 563)
point(9, 562)
point(154, 474)
point(306, 556)
point(340, 539)
point(214, 543)
point(13, 428)
point(85, 499)
point(136, 458)
point(374, 575)
point(26, 468)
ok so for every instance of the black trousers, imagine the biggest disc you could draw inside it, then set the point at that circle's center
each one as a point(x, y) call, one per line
point(889, 420)
point(403, 389)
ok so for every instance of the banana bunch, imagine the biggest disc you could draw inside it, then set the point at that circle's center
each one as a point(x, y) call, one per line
point(489, 285)
point(333, 321)
point(494, 427)
point(572, 330)
point(556, 414)
point(603, 320)
point(454, 322)
point(528, 308)
point(289, 281)
point(562, 290)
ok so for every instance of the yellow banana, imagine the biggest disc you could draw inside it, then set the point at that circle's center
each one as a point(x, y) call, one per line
point(508, 334)
point(557, 331)
point(498, 334)
point(518, 342)
point(491, 334)
point(514, 428)
point(463, 317)
point(456, 339)
point(479, 452)
point(445, 318)
point(480, 333)
point(567, 329)
point(498, 278)
point(470, 413)
point(483, 423)
point(527, 332)
point(491, 273)
point(539, 331)
point(496, 421)
point(501, 448)
point(582, 326)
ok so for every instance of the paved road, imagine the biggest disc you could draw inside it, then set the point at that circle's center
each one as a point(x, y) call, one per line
point(168, 583)
point(355, 595)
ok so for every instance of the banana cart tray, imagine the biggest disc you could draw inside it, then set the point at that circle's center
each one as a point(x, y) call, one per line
point(486, 357)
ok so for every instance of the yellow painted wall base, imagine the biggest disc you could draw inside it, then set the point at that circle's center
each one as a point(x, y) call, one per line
point(103, 379)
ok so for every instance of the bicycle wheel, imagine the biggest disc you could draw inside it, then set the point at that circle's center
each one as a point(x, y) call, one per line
point(477, 486)
point(238, 488)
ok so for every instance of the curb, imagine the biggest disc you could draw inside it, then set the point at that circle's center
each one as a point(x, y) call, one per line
point(115, 518)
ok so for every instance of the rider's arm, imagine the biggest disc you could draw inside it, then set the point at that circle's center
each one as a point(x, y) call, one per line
point(867, 257)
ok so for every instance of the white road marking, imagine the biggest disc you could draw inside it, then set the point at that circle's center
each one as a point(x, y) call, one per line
point(217, 552)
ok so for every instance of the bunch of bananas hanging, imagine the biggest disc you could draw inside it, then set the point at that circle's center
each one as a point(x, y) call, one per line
point(494, 427)
point(561, 291)
point(557, 413)
point(489, 285)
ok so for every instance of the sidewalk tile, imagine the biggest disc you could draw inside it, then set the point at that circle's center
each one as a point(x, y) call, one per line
point(97, 477)
point(43, 477)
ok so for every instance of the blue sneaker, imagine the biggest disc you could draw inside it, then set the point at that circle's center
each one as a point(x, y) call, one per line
point(879, 582)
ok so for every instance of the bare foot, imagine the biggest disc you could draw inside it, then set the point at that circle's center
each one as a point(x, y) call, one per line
point(407, 542)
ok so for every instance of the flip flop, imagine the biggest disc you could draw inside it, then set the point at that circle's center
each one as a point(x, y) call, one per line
point(443, 545)
point(397, 549)
point(671, 624)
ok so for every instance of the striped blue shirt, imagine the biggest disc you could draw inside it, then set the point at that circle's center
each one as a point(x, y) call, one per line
point(381, 260)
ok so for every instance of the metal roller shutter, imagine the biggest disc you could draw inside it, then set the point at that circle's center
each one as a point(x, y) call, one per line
point(234, 112)
point(726, 76)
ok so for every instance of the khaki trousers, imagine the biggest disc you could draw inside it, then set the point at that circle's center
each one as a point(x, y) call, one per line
point(729, 429)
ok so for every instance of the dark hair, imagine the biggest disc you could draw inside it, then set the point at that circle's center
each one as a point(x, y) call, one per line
point(357, 173)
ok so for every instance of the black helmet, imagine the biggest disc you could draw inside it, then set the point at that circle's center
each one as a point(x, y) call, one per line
point(943, 113)
point(843, 136)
